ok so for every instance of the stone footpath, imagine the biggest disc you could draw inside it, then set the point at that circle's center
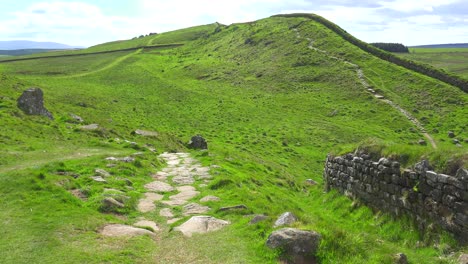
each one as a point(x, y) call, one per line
point(179, 178)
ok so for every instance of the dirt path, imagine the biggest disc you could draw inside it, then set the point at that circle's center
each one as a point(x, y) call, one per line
point(365, 84)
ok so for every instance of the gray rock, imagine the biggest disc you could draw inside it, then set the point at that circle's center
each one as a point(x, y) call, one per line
point(462, 174)
point(401, 258)
point(90, 127)
point(146, 133)
point(257, 219)
point(117, 230)
point(159, 186)
point(98, 179)
point(285, 219)
point(194, 208)
point(422, 142)
point(235, 207)
point(31, 102)
point(201, 224)
point(311, 182)
point(110, 203)
point(198, 142)
point(294, 242)
point(76, 118)
point(102, 172)
point(455, 141)
point(463, 259)
point(451, 134)
point(209, 198)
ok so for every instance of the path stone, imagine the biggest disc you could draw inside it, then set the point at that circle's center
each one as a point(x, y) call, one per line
point(147, 223)
point(201, 224)
point(194, 208)
point(117, 230)
point(159, 186)
point(209, 198)
point(166, 212)
point(147, 204)
point(185, 193)
point(161, 176)
point(183, 180)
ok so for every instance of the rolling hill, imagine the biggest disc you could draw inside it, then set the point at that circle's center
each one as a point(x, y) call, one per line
point(272, 97)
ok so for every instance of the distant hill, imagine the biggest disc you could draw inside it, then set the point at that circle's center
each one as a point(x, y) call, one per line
point(26, 44)
point(20, 52)
point(455, 45)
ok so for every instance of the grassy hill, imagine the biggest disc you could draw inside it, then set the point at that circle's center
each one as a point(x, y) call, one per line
point(452, 60)
point(272, 98)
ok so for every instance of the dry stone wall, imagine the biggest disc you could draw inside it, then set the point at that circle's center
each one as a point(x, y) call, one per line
point(421, 193)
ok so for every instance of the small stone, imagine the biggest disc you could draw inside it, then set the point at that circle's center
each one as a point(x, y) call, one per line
point(90, 127)
point(235, 207)
point(117, 230)
point(311, 182)
point(76, 118)
point(98, 179)
point(462, 174)
point(146, 133)
point(109, 203)
point(257, 219)
point(401, 258)
point(451, 134)
point(422, 142)
point(102, 173)
point(287, 218)
point(455, 141)
point(209, 198)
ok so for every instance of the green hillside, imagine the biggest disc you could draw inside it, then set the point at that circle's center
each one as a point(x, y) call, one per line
point(272, 97)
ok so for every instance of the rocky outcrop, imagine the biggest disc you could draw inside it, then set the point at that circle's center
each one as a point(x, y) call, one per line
point(421, 193)
point(298, 246)
point(198, 142)
point(31, 102)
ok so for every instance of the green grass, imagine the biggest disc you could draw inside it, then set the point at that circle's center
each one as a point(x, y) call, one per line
point(270, 108)
point(452, 60)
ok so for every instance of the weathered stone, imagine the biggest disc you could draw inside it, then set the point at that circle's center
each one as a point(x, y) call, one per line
point(102, 173)
point(432, 176)
point(117, 230)
point(258, 218)
point(76, 118)
point(98, 179)
point(311, 182)
point(451, 134)
point(463, 259)
point(194, 208)
point(462, 174)
point(287, 218)
point(422, 142)
point(401, 258)
point(209, 198)
point(31, 102)
point(295, 243)
point(166, 212)
point(146, 133)
point(109, 203)
point(201, 224)
point(235, 207)
point(198, 142)
point(90, 127)
point(159, 186)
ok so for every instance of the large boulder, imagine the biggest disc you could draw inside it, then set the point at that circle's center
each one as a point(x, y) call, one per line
point(298, 246)
point(198, 142)
point(31, 102)
point(201, 224)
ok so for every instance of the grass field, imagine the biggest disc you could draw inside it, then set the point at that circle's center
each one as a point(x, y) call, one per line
point(454, 60)
point(271, 109)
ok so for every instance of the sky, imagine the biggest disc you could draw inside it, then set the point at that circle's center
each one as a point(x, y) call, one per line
point(90, 22)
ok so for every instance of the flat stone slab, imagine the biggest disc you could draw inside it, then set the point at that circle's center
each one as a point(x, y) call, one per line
point(159, 186)
point(146, 133)
point(98, 179)
point(209, 198)
point(201, 224)
point(118, 230)
point(166, 212)
point(90, 127)
point(185, 193)
point(147, 204)
point(147, 223)
point(194, 208)
point(183, 180)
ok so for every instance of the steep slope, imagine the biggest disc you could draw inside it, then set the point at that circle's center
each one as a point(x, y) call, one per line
point(272, 97)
